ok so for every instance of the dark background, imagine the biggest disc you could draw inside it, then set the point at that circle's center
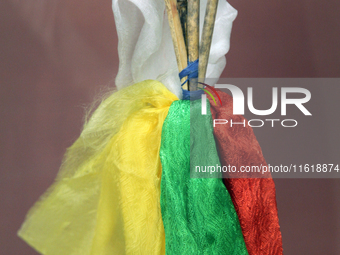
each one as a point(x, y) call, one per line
point(55, 56)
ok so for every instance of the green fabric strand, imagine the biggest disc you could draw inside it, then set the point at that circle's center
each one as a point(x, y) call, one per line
point(198, 214)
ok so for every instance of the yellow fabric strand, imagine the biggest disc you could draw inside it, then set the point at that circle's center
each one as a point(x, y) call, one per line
point(105, 199)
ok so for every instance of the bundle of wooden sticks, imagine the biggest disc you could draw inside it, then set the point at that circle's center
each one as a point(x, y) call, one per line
point(184, 18)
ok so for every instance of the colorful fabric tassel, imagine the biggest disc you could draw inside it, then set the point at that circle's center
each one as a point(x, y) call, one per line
point(106, 197)
point(125, 186)
point(254, 198)
point(198, 214)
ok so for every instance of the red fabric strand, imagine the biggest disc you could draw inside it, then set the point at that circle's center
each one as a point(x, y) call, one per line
point(254, 198)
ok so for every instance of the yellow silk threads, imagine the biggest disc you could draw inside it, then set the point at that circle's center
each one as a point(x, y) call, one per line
point(106, 197)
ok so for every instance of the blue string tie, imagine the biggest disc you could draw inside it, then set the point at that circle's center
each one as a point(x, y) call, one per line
point(192, 72)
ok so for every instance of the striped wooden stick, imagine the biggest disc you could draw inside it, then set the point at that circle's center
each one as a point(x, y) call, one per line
point(193, 32)
point(177, 36)
point(208, 29)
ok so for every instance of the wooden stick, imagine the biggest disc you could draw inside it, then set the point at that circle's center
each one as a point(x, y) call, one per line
point(177, 35)
point(193, 31)
point(182, 12)
point(208, 29)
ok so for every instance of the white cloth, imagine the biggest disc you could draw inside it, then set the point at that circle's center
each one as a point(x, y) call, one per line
point(145, 46)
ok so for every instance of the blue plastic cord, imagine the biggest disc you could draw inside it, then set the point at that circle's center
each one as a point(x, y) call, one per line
point(192, 72)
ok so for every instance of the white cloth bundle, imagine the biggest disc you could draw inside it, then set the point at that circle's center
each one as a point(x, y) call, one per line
point(145, 46)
